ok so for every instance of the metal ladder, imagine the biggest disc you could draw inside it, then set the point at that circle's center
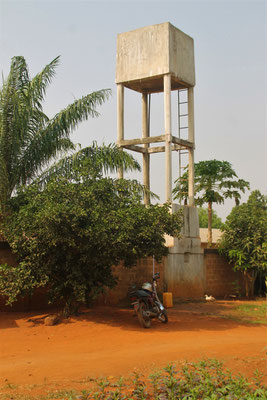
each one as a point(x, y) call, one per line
point(182, 127)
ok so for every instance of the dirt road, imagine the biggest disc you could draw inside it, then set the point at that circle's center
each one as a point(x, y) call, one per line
point(107, 341)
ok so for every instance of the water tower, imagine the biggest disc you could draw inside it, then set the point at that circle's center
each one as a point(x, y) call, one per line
point(154, 59)
point(158, 58)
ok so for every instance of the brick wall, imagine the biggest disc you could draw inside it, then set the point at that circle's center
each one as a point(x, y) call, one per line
point(119, 295)
point(128, 277)
point(221, 279)
point(6, 255)
point(38, 301)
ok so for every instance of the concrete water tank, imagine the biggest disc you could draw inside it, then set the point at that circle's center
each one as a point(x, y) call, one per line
point(145, 55)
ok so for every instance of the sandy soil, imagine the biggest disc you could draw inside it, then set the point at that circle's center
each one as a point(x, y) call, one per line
point(109, 341)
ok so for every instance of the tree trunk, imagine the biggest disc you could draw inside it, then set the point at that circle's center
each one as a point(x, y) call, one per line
point(209, 224)
point(250, 278)
point(71, 307)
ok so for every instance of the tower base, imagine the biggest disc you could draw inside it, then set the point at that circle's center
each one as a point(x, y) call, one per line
point(184, 274)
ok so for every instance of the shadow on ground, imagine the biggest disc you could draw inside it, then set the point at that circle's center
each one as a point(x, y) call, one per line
point(186, 316)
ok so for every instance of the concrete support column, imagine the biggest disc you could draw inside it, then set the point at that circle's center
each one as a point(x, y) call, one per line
point(168, 137)
point(146, 158)
point(191, 138)
point(120, 119)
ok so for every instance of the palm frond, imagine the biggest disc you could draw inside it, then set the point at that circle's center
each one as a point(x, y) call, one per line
point(50, 141)
point(132, 186)
point(40, 82)
point(30, 168)
point(67, 120)
point(29, 140)
point(96, 159)
point(14, 111)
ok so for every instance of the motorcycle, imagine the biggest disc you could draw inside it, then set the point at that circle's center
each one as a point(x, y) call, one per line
point(147, 304)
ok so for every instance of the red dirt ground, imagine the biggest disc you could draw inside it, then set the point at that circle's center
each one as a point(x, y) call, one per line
point(109, 341)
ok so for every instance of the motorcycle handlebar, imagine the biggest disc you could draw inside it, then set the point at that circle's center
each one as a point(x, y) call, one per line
point(156, 276)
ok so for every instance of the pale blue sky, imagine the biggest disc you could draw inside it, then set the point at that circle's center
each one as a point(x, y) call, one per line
point(230, 54)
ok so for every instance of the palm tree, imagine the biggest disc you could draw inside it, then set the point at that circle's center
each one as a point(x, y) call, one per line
point(96, 160)
point(214, 181)
point(29, 140)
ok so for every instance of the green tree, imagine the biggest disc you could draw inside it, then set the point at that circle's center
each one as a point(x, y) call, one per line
point(244, 239)
point(203, 218)
point(70, 245)
point(214, 181)
point(29, 140)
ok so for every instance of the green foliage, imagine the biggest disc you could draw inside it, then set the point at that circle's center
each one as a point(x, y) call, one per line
point(214, 181)
point(203, 218)
point(139, 387)
point(29, 140)
point(195, 381)
point(94, 160)
point(69, 234)
point(19, 280)
point(244, 240)
point(248, 313)
point(253, 311)
point(204, 380)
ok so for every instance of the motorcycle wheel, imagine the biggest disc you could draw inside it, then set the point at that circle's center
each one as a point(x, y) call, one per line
point(163, 317)
point(142, 317)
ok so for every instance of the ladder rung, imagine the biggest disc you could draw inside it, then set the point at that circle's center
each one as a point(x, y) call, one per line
point(183, 102)
point(183, 115)
point(183, 127)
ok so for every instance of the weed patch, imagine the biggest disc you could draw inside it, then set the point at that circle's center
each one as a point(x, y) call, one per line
point(250, 313)
point(207, 380)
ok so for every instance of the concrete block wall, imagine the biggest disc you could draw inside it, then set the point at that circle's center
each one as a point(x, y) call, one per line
point(37, 302)
point(128, 277)
point(183, 274)
point(221, 279)
point(6, 256)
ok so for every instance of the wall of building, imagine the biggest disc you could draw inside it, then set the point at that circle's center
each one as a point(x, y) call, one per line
point(6, 256)
point(186, 279)
point(221, 280)
point(127, 277)
point(38, 301)
point(130, 277)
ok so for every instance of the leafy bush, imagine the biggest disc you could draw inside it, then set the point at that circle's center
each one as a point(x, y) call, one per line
point(69, 234)
point(244, 239)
